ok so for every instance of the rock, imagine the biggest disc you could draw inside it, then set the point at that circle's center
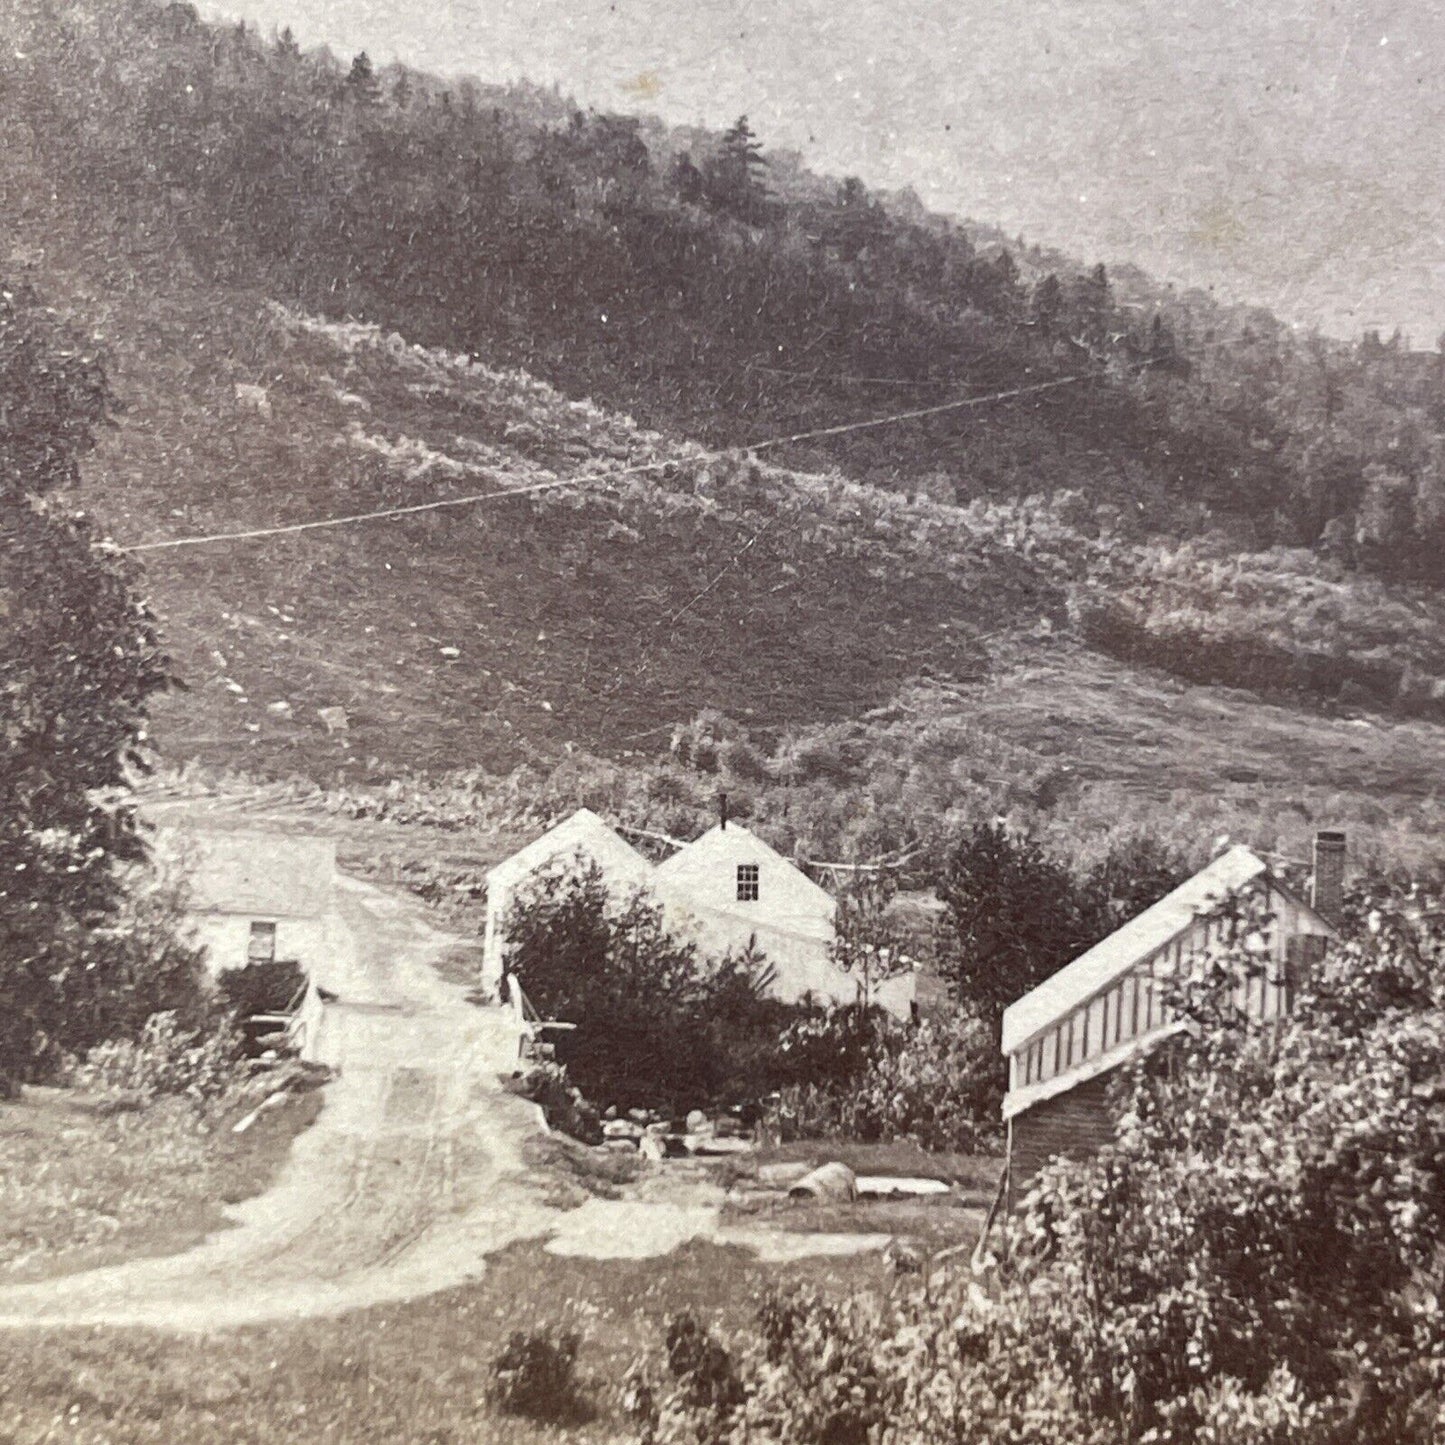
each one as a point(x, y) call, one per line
point(652, 1148)
point(610, 1112)
point(641, 1116)
point(660, 1127)
point(619, 1146)
point(782, 1176)
point(699, 1123)
point(334, 719)
point(254, 398)
point(887, 1186)
point(622, 1129)
point(450, 651)
point(834, 1183)
point(709, 1144)
point(281, 709)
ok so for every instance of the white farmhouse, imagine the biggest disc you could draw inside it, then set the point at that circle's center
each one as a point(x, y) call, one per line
point(729, 887)
point(584, 839)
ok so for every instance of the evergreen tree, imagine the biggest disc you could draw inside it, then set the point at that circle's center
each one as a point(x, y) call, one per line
point(733, 176)
point(361, 81)
point(687, 180)
point(1014, 917)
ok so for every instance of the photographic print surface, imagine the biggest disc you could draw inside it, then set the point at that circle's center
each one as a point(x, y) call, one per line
point(722, 723)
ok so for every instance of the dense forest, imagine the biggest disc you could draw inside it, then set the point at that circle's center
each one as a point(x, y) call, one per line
point(709, 287)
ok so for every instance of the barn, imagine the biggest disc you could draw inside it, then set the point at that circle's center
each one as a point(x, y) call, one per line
point(1064, 1038)
point(723, 890)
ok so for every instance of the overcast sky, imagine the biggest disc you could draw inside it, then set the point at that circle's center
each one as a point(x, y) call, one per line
point(1284, 151)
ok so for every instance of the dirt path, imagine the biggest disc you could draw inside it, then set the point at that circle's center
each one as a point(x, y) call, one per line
point(410, 1177)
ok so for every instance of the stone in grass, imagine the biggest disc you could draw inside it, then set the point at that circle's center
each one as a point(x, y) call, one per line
point(888, 1186)
point(830, 1183)
point(709, 1145)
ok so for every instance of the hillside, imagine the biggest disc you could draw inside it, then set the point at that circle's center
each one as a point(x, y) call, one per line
point(944, 618)
point(476, 635)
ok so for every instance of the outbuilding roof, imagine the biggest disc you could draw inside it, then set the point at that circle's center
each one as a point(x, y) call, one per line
point(734, 841)
point(265, 875)
point(582, 832)
point(1141, 937)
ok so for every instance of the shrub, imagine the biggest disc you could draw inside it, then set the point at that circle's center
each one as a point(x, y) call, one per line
point(165, 1060)
point(942, 1088)
point(535, 1376)
point(659, 1025)
point(938, 1084)
point(268, 987)
point(830, 1048)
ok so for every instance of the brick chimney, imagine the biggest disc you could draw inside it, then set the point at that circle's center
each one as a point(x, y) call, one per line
point(722, 810)
point(1328, 889)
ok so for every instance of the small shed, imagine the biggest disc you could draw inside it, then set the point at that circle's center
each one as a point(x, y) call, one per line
point(260, 897)
point(584, 838)
point(1063, 1038)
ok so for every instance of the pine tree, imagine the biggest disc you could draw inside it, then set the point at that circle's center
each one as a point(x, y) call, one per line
point(361, 81)
point(733, 175)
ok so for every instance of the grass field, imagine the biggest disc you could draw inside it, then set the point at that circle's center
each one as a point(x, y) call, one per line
point(413, 1374)
point(82, 1187)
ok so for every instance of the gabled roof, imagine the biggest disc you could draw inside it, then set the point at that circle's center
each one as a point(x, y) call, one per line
point(583, 832)
point(263, 875)
point(736, 840)
point(1137, 940)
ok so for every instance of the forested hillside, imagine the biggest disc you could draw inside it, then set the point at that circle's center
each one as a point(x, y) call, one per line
point(320, 291)
point(690, 281)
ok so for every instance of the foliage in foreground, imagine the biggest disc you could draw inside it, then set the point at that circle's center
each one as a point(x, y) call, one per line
point(1254, 1260)
point(535, 1376)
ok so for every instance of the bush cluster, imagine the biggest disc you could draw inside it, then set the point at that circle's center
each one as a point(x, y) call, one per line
point(660, 1025)
point(938, 1083)
point(535, 1376)
point(166, 1060)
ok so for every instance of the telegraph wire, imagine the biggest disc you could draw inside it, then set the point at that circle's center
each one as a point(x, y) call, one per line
point(616, 474)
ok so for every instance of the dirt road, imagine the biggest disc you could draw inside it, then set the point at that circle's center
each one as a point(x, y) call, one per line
point(410, 1177)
